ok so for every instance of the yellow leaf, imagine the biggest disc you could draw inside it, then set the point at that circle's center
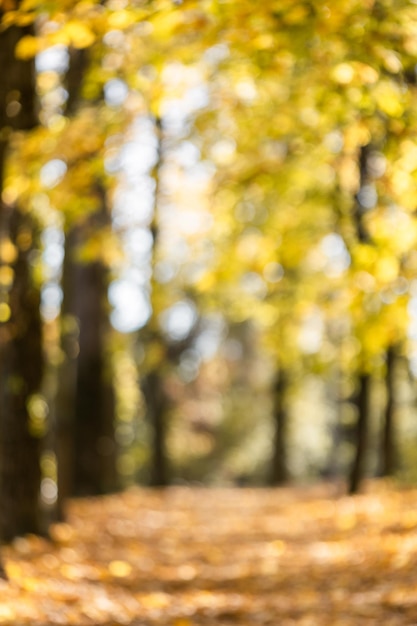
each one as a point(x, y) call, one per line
point(80, 35)
point(157, 600)
point(386, 269)
point(29, 5)
point(297, 15)
point(121, 19)
point(27, 47)
point(8, 251)
point(366, 73)
point(165, 24)
point(206, 282)
point(343, 73)
point(120, 569)
point(346, 521)
point(6, 276)
point(278, 546)
point(5, 312)
point(30, 583)
point(17, 18)
point(389, 99)
point(364, 256)
point(265, 41)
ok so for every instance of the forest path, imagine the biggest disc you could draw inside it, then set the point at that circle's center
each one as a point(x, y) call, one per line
point(185, 557)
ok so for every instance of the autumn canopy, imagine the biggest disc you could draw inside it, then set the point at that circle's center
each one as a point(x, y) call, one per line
point(208, 260)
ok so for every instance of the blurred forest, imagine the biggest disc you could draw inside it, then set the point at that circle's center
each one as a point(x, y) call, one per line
point(208, 261)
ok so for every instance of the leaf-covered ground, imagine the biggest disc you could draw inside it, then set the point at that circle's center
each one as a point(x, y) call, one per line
point(188, 557)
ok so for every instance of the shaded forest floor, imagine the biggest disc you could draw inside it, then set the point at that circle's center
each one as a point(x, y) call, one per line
point(188, 557)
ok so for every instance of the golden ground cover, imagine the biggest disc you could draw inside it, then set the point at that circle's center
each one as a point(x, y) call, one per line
point(185, 557)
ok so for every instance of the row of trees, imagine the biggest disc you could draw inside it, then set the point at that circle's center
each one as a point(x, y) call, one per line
point(250, 176)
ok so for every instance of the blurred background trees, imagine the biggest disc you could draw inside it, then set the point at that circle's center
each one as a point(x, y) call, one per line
point(208, 247)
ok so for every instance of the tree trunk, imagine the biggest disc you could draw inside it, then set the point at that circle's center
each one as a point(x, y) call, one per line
point(85, 406)
point(279, 462)
point(362, 399)
point(361, 433)
point(21, 429)
point(64, 402)
point(388, 451)
point(94, 447)
point(153, 384)
point(85, 401)
point(18, 105)
point(156, 406)
point(22, 414)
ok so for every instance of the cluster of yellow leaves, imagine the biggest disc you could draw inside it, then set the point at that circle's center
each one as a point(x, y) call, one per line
point(82, 24)
point(187, 557)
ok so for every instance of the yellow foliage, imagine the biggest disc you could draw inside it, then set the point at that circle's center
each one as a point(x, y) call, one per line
point(27, 47)
point(16, 18)
point(389, 98)
point(6, 276)
point(165, 23)
point(5, 312)
point(364, 256)
point(8, 251)
point(206, 282)
point(296, 15)
point(386, 269)
point(357, 134)
point(265, 128)
point(30, 5)
point(343, 73)
point(79, 34)
point(122, 18)
point(354, 72)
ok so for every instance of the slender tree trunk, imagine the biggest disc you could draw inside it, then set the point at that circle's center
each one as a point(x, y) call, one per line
point(94, 447)
point(156, 405)
point(85, 401)
point(85, 406)
point(361, 433)
point(64, 402)
point(362, 400)
point(153, 385)
point(279, 462)
point(388, 451)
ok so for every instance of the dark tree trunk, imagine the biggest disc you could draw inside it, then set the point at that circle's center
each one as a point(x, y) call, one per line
point(388, 451)
point(21, 360)
point(362, 399)
point(21, 432)
point(94, 447)
point(85, 405)
point(18, 106)
point(279, 461)
point(156, 406)
point(153, 385)
point(361, 433)
point(64, 403)
point(85, 401)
